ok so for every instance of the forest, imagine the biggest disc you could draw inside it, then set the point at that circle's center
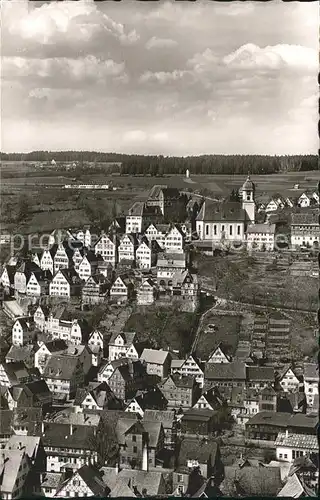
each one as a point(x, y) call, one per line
point(164, 165)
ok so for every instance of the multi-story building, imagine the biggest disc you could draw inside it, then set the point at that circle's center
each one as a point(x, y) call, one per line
point(261, 237)
point(140, 443)
point(171, 203)
point(63, 374)
point(305, 229)
point(62, 257)
point(119, 344)
point(107, 247)
point(174, 240)
point(122, 289)
point(180, 391)
point(146, 254)
point(146, 292)
point(288, 380)
point(127, 248)
point(22, 331)
point(311, 381)
point(168, 265)
point(68, 446)
point(225, 375)
point(88, 266)
point(189, 367)
point(66, 283)
point(157, 232)
point(47, 259)
point(95, 290)
point(38, 284)
point(157, 362)
point(291, 446)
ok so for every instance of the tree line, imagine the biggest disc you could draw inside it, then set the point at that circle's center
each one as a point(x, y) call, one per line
point(165, 165)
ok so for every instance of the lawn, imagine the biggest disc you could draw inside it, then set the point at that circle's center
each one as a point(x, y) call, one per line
point(227, 329)
point(164, 327)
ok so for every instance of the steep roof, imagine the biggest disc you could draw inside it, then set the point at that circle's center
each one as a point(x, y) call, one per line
point(309, 442)
point(60, 367)
point(260, 373)
point(201, 450)
point(305, 218)
point(156, 356)
point(128, 337)
point(229, 211)
point(251, 481)
point(143, 480)
point(59, 435)
point(236, 370)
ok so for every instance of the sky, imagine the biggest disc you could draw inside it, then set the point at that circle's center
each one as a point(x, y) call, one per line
point(171, 78)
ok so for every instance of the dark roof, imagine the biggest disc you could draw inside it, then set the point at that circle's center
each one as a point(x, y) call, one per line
point(260, 373)
point(269, 418)
point(193, 449)
point(229, 211)
point(60, 367)
point(92, 478)
point(20, 353)
point(186, 381)
point(305, 218)
point(236, 370)
point(59, 435)
point(251, 481)
point(6, 417)
point(199, 415)
point(311, 370)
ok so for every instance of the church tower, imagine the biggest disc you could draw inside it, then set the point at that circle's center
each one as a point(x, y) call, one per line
point(248, 203)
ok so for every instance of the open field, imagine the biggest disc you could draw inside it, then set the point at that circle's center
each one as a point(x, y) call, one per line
point(164, 327)
point(227, 329)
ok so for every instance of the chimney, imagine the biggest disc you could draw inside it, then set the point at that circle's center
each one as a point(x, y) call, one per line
point(117, 467)
point(287, 433)
point(42, 427)
point(145, 453)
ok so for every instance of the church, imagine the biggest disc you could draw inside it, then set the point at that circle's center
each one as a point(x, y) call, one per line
point(227, 220)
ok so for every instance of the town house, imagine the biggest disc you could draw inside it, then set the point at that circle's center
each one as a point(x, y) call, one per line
point(146, 254)
point(157, 362)
point(261, 237)
point(88, 266)
point(189, 367)
point(259, 377)
point(30, 394)
point(85, 482)
point(157, 232)
point(311, 381)
point(169, 423)
point(95, 290)
point(107, 247)
point(47, 259)
point(151, 399)
point(38, 284)
point(291, 446)
point(305, 230)
point(107, 368)
point(171, 203)
point(219, 356)
point(23, 353)
point(22, 275)
point(62, 258)
point(14, 373)
point(14, 467)
point(63, 375)
point(127, 379)
point(40, 317)
point(66, 283)
point(119, 344)
point(7, 278)
point(77, 258)
point(147, 292)
point(180, 391)
point(122, 289)
point(209, 400)
point(225, 375)
point(288, 380)
point(127, 248)
point(68, 446)
point(23, 331)
point(174, 240)
point(185, 288)
point(140, 443)
point(168, 265)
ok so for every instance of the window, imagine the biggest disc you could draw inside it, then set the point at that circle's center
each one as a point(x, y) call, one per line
point(134, 438)
point(207, 229)
point(280, 455)
point(180, 478)
point(215, 229)
point(238, 230)
point(135, 449)
point(230, 230)
point(285, 455)
point(222, 228)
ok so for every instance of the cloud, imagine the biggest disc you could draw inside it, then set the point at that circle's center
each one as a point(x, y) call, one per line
point(160, 43)
point(162, 77)
point(63, 70)
point(250, 56)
